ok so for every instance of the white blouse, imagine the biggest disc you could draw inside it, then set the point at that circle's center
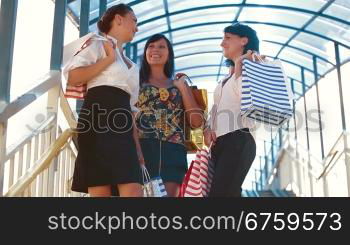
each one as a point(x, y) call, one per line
point(116, 75)
point(225, 116)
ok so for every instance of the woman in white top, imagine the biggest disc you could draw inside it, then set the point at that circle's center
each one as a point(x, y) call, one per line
point(234, 148)
point(107, 156)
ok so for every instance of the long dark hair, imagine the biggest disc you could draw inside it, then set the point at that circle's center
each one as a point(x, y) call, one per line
point(104, 24)
point(169, 65)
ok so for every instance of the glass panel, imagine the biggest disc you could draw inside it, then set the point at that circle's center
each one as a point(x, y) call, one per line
point(291, 70)
point(32, 47)
point(300, 123)
point(272, 33)
point(199, 59)
point(75, 7)
point(71, 32)
point(94, 9)
point(313, 123)
point(212, 70)
point(345, 69)
point(316, 45)
point(283, 17)
point(207, 31)
point(340, 9)
point(203, 16)
point(297, 57)
point(224, 70)
point(335, 30)
point(93, 28)
point(314, 5)
point(344, 53)
point(177, 5)
point(94, 5)
point(270, 49)
point(330, 109)
point(344, 3)
point(309, 79)
point(194, 47)
point(323, 66)
point(151, 28)
point(312, 42)
point(291, 128)
point(298, 87)
point(209, 83)
point(148, 9)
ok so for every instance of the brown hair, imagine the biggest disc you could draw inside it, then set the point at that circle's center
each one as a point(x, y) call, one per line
point(104, 24)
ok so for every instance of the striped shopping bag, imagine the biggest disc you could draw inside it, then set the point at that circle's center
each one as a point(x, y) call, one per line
point(198, 179)
point(152, 187)
point(266, 97)
point(76, 92)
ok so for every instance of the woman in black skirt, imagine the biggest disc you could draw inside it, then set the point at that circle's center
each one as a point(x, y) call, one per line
point(164, 102)
point(234, 147)
point(107, 156)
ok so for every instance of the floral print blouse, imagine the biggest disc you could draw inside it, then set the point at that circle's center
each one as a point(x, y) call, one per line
point(161, 114)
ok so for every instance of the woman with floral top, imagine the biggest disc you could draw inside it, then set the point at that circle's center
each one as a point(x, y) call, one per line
point(164, 105)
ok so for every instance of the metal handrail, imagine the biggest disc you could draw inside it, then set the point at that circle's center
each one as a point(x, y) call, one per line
point(41, 165)
point(51, 79)
point(332, 154)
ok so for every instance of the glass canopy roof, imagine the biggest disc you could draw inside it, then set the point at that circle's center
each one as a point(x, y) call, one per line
point(295, 31)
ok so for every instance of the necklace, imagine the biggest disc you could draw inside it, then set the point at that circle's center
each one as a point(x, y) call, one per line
point(160, 83)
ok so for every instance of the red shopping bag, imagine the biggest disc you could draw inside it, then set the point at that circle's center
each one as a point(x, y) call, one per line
point(199, 176)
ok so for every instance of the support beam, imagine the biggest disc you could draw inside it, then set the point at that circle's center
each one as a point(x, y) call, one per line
point(318, 105)
point(84, 17)
point(134, 51)
point(8, 16)
point(58, 35)
point(341, 98)
point(103, 7)
point(305, 109)
point(83, 30)
point(166, 9)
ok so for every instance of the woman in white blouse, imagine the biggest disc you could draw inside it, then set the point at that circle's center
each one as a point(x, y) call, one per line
point(107, 156)
point(234, 148)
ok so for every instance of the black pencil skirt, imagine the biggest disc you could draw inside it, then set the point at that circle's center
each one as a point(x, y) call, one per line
point(107, 151)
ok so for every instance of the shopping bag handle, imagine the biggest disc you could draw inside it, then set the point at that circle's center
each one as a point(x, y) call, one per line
point(256, 56)
point(186, 77)
point(145, 175)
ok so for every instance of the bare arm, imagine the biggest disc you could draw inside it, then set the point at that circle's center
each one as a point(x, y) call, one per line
point(193, 112)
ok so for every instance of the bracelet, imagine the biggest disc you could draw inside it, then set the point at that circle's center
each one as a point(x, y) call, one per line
point(206, 127)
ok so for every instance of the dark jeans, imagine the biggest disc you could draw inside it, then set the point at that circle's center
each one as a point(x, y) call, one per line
point(233, 155)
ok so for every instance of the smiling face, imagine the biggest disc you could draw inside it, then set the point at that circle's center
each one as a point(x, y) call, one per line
point(233, 45)
point(157, 52)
